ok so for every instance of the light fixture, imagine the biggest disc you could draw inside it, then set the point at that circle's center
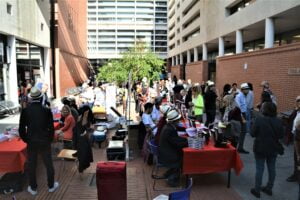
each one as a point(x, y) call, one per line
point(297, 36)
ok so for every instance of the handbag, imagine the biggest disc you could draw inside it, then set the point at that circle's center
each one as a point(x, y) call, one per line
point(278, 146)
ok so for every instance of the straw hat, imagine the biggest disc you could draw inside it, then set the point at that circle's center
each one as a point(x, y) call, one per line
point(35, 93)
point(245, 86)
point(173, 115)
point(164, 109)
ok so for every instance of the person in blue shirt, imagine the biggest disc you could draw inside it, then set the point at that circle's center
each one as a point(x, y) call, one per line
point(242, 103)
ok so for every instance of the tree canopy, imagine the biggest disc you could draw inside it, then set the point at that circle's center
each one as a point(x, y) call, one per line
point(140, 60)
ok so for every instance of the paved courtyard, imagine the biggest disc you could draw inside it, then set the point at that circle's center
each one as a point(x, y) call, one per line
point(139, 182)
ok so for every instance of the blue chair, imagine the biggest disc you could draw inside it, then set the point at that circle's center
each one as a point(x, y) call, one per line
point(153, 149)
point(183, 194)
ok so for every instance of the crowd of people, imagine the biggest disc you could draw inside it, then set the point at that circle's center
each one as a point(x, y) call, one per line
point(162, 105)
point(234, 108)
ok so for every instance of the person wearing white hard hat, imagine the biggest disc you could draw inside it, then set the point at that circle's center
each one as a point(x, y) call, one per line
point(170, 148)
point(241, 101)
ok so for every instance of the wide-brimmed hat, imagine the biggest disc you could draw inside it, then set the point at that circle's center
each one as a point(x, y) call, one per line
point(210, 83)
point(245, 86)
point(173, 115)
point(298, 98)
point(35, 93)
point(164, 109)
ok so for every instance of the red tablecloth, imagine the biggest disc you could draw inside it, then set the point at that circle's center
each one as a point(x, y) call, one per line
point(12, 156)
point(211, 159)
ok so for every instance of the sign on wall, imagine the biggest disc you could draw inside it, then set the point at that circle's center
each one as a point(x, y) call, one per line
point(294, 71)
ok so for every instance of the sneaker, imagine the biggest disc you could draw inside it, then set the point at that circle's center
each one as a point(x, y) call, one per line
point(255, 193)
point(243, 151)
point(266, 191)
point(292, 178)
point(31, 191)
point(55, 186)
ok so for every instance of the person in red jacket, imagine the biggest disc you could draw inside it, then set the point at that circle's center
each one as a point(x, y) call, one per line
point(69, 123)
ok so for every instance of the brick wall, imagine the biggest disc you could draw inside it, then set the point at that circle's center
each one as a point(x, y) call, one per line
point(267, 64)
point(71, 71)
point(197, 71)
point(71, 45)
point(177, 70)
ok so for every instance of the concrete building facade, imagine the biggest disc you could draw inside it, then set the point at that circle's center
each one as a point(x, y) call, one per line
point(239, 41)
point(71, 63)
point(116, 25)
point(24, 45)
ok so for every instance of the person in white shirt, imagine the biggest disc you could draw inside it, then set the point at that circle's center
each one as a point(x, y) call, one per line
point(147, 119)
point(155, 115)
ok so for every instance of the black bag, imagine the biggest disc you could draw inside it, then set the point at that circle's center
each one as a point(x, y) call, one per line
point(11, 183)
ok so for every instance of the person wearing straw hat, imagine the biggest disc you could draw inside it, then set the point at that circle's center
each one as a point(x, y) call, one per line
point(164, 109)
point(241, 100)
point(170, 148)
point(36, 129)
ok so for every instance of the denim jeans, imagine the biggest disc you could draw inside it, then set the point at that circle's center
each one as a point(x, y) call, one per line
point(260, 165)
point(249, 120)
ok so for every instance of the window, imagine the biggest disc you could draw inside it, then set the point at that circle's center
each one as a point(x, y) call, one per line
point(237, 6)
point(191, 20)
point(42, 26)
point(172, 46)
point(189, 7)
point(191, 34)
point(9, 9)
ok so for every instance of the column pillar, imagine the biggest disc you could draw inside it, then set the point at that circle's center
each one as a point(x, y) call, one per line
point(221, 46)
point(5, 80)
point(12, 70)
point(238, 41)
point(173, 63)
point(47, 69)
point(181, 59)
point(204, 51)
point(195, 54)
point(269, 33)
point(188, 56)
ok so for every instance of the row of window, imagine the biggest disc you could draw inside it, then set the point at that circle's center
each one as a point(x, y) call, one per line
point(145, 32)
point(93, 14)
point(158, 49)
point(127, 19)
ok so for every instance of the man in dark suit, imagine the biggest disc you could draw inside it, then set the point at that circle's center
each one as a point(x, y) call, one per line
point(170, 148)
point(36, 129)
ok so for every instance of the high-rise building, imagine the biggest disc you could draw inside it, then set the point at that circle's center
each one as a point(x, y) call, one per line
point(24, 45)
point(239, 41)
point(116, 25)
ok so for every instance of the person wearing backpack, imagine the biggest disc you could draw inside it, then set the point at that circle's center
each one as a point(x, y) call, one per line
point(267, 130)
